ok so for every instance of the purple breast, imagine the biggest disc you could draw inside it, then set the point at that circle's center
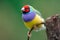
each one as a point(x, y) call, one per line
point(28, 17)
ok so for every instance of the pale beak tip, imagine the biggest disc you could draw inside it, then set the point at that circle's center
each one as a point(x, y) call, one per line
point(22, 9)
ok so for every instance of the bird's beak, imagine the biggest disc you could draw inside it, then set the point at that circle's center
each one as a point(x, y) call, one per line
point(23, 9)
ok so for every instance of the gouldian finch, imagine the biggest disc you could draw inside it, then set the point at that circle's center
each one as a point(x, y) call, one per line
point(32, 19)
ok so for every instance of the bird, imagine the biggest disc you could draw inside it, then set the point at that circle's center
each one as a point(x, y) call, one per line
point(32, 19)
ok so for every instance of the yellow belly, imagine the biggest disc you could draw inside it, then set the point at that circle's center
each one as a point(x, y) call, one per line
point(36, 20)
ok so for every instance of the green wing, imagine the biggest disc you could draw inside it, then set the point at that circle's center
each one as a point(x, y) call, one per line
point(37, 12)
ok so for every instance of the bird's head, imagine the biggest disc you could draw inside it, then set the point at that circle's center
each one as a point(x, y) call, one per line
point(25, 9)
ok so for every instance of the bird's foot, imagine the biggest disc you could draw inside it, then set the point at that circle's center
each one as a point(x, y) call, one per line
point(29, 34)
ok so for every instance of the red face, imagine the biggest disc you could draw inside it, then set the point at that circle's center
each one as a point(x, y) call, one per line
point(26, 8)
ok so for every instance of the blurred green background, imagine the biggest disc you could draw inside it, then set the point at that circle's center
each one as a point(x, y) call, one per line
point(11, 24)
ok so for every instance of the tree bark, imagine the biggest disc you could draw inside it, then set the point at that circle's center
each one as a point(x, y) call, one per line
point(53, 27)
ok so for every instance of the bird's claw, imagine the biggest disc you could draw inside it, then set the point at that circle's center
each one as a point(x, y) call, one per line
point(29, 34)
